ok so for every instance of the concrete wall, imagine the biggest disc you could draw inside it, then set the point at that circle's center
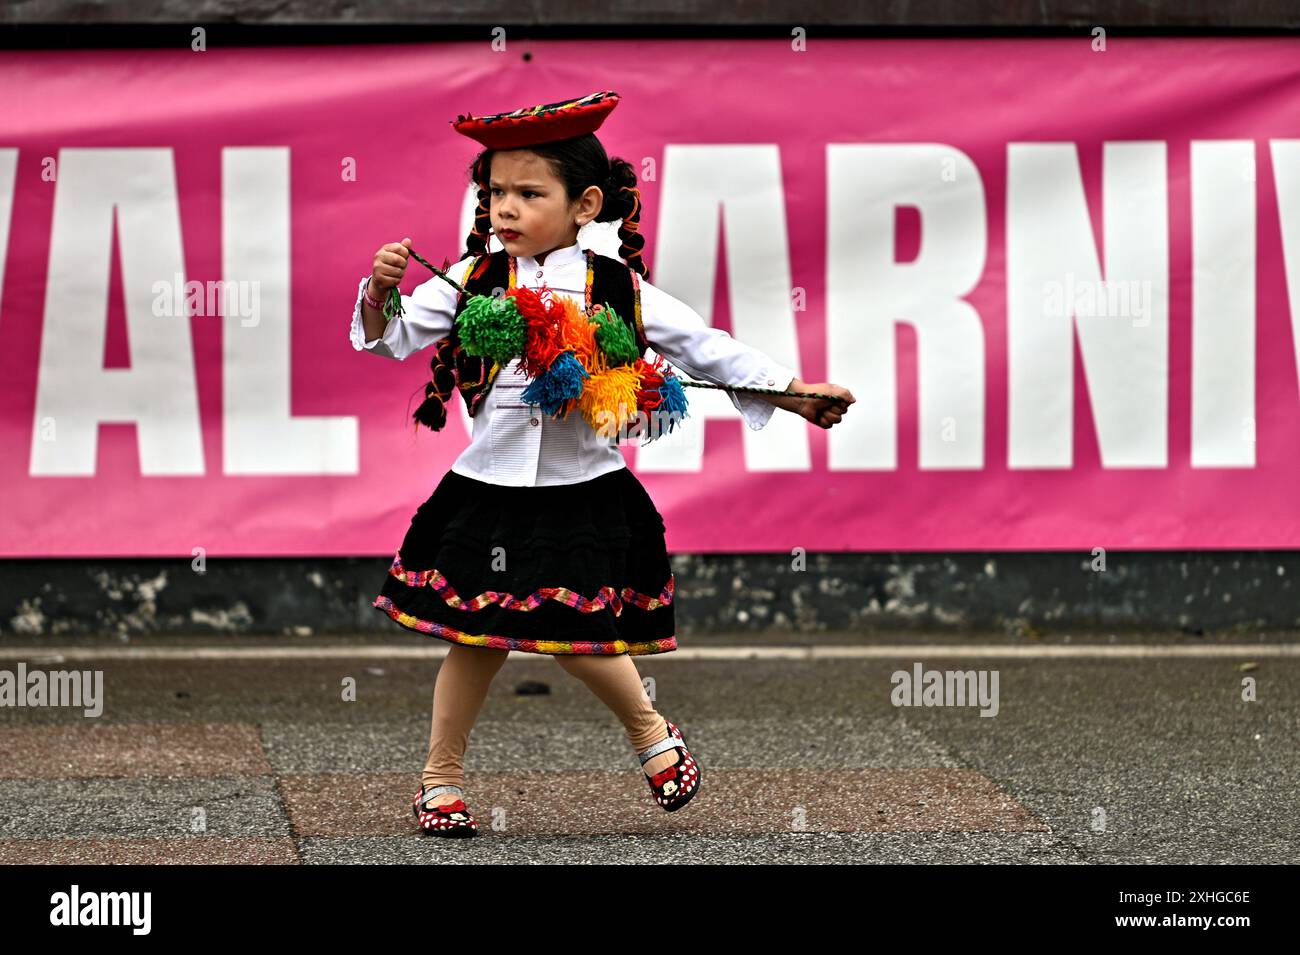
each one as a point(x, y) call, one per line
point(1021, 595)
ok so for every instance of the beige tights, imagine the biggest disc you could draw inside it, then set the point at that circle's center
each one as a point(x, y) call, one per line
point(462, 686)
point(458, 695)
point(614, 679)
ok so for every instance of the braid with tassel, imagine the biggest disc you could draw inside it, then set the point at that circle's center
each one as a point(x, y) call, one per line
point(432, 412)
point(624, 202)
point(476, 243)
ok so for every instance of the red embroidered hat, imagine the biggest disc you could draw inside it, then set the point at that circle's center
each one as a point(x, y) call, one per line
point(539, 124)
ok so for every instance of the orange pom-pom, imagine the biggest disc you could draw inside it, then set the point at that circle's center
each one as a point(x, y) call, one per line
point(578, 334)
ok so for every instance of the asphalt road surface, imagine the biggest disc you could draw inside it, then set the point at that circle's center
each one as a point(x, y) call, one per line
point(1105, 753)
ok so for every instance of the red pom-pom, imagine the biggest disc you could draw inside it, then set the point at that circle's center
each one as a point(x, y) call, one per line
point(542, 344)
point(648, 396)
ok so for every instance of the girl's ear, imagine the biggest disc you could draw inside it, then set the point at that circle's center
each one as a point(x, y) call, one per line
point(590, 203)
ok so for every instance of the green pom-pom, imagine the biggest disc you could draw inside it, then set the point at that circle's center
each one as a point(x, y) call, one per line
point(492, 328)
point(615, 338)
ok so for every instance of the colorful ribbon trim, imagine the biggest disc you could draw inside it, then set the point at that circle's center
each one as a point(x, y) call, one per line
point(527, 646)
point(607, 597)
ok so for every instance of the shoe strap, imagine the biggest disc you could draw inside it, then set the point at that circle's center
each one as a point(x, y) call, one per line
point(434, 790)
point(671, 742)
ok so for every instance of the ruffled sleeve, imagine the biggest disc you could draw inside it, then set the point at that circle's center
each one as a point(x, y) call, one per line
point(428, 313)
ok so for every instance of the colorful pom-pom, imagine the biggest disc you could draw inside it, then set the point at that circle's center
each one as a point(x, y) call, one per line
point(575, 360)
point(542, 340)
point(672, 406)
point(532, 306)
point(615, 338)
point(492, 328)
point(651, 378)
point(608, 400)
point(556, 389)
point(661, 398)
point(578, 334)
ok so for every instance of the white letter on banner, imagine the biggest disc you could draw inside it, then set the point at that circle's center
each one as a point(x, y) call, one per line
point(1223, 304)
point(1286, 178)
point(159, 392)
point(1050, 245)
point(867, 292)
point(700, 185)
point(8, 173)
point(261, 437)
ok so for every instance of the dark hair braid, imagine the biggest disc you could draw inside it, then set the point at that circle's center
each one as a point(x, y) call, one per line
point(438, 391)
point(476, 243)
point(623, 201)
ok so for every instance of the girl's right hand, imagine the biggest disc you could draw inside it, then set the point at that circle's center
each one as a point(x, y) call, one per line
point(823, 412)
point(390, 265)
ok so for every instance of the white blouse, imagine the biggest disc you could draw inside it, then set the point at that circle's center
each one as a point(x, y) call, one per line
point(518, 444)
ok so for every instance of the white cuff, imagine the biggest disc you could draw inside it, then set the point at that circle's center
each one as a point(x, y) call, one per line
point(377, 346)
point(755, 409)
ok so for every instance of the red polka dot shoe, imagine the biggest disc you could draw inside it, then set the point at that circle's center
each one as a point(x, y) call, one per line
point(677, 785)
point(450, 819)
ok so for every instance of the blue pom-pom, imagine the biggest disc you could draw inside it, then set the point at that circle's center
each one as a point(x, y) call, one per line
point(672, 408)
point(560, 383)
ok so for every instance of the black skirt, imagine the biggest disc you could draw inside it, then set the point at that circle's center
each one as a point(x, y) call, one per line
point(564, 568)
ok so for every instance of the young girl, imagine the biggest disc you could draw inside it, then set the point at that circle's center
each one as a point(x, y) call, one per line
point(539, 538)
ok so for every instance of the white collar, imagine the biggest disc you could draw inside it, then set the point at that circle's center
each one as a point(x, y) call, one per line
point(562, 256)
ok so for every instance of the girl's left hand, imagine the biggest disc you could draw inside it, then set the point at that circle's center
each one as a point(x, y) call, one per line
point(823, 412)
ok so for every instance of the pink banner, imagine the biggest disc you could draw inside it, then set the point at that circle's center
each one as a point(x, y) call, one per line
point(1062, 281)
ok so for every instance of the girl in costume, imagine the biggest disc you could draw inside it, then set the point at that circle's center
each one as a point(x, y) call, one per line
point(540, 538)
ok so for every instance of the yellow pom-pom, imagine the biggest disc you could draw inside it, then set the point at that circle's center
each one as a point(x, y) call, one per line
point(608, 400)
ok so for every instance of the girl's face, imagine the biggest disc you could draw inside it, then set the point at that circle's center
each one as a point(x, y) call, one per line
point(531, 214)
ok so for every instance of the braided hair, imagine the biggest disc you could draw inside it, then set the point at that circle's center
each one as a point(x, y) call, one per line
point(579, 163)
